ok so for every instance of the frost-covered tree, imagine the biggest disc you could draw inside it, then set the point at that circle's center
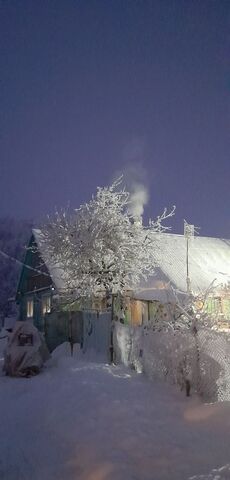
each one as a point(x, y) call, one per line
point(101, 247)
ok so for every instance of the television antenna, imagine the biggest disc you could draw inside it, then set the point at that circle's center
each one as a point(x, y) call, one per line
point(189, 234)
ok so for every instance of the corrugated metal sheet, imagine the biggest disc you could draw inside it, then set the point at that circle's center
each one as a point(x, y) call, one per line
point(97, 333)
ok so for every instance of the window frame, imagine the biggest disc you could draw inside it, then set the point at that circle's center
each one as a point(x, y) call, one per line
point(46, 304)
point(30, 308)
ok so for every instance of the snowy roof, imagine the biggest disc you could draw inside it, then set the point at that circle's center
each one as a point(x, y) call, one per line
point(56, 272)
point(208, 260)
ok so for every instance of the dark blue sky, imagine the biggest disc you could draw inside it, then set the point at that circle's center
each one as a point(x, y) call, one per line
point(88, 87)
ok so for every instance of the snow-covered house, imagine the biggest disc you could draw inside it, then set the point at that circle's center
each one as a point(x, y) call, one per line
point(197, 263)
point(202, 260)
point(39, 286)
point(42, 283)
point(36, 285)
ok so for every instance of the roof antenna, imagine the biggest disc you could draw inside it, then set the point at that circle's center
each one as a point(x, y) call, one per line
point(189, 233)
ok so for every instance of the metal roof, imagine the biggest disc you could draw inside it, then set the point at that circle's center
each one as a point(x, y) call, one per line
point(208, 260)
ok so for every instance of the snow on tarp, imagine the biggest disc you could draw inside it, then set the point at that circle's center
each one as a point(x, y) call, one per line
point(25, 351)
point(9, 322)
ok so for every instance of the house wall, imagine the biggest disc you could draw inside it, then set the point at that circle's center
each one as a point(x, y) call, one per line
point(35, 283)
point(219, 305)
point(37, 299)
point(134, 312)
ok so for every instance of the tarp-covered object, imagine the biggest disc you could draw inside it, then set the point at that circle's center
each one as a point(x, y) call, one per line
point(25, 352)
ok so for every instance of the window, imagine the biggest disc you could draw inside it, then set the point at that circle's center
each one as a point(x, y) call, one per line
point(46, 305)
point(30, 309)
point(213, 305)
point(226, 308)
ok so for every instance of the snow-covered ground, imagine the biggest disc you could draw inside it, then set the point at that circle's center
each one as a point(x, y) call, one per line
point(92, 421)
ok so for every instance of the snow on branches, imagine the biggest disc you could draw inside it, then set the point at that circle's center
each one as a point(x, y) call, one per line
point(101, 247)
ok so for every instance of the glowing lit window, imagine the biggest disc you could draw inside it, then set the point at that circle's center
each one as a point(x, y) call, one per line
point(46, 305)
point(30, 309)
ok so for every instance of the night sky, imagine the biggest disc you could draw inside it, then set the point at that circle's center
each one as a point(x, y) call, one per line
point(91, 88)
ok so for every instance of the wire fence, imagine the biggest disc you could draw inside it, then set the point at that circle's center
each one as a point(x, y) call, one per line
point(201, 361)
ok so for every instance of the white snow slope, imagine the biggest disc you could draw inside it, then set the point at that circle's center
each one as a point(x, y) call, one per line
point(91, 421)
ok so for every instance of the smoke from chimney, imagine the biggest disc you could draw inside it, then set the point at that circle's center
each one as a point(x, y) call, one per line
point(138, 199)
point(135, 177)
